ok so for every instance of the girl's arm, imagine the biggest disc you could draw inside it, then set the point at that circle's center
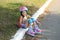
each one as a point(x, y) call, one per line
point(20, 20)
point(28, 16)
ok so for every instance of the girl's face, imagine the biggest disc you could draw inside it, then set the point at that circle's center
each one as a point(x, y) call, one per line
point(24, 13)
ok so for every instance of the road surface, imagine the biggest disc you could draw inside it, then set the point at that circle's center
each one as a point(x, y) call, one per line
point(51, 22)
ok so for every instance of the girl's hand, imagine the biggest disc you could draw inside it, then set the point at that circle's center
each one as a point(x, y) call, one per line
point(28, 17)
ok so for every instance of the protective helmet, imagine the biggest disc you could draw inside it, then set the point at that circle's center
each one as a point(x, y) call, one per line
point(23, 8)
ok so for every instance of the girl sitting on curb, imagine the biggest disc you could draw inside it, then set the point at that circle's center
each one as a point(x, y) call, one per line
point(24, 22)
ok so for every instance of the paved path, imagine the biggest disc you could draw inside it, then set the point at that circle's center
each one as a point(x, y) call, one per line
point(55, 6)
point(51, 22)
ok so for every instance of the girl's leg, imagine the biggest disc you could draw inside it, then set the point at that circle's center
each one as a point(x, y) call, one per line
point(37, 29)
point(31, 32)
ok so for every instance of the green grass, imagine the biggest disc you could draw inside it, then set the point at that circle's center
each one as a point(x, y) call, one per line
point(9, 14)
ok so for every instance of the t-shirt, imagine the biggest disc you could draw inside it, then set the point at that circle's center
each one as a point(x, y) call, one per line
point(23, 20)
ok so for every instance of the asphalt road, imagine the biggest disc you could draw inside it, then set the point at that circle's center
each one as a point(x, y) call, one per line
point(51, 26)
point(51, 22)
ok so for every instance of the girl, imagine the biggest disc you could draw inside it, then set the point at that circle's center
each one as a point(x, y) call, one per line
point(23, 22)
